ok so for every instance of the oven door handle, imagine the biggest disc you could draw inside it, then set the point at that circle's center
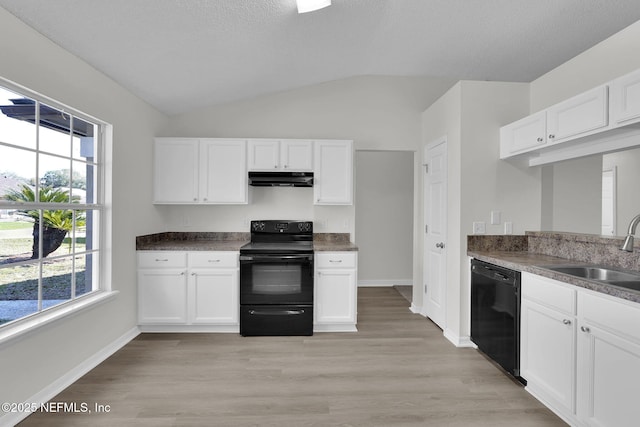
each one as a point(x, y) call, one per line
point(275, 258)
point(275, 312)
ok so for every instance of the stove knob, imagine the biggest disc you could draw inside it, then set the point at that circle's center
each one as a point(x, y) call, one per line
point(258, 226)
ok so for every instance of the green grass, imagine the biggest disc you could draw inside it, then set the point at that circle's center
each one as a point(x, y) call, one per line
point(19, 283)
point(14, 225)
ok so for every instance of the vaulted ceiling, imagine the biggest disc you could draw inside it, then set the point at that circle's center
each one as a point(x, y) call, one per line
point(181, 55)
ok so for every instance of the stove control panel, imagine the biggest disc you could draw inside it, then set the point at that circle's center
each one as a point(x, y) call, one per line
point(285, 227)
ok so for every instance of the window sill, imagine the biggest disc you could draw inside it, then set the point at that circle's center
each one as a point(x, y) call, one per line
point(33, 323)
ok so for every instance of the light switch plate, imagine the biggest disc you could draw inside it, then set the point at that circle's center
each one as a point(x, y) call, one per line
point(479, 227)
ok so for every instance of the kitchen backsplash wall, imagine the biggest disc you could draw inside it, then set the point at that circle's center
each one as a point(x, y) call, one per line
point(264, 203)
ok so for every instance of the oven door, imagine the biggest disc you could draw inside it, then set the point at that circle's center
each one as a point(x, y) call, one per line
point(276, 279)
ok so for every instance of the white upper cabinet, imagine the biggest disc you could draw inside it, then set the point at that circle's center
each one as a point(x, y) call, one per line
point(285, 155)
point(223, 171)
point(625, 99)
point(196, 171)
point(175, 173)
point(333, 172)
point(296, 155)
point(524, 135)
point(263, 155)
point(577, 116)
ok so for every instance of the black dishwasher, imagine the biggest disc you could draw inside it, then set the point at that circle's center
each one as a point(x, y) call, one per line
point(495, 314)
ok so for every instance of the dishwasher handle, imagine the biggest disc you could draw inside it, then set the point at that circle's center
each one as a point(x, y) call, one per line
point(494, 272)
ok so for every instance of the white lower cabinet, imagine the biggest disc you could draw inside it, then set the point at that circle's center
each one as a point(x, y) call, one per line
point(188, 291)
point(580, 352)
point(335, 302)
point(548, 345)
point(609, 362)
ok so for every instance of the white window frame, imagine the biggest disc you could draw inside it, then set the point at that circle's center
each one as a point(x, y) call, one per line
point(102, 204)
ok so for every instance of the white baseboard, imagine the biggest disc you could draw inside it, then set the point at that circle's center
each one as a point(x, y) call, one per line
point(223, 329)
point(337, 327)
point(416, 310)
point(56, 387)
point(457, 340)
point(383, 283)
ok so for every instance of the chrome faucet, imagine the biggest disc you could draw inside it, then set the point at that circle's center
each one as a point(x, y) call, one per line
point(628, 242)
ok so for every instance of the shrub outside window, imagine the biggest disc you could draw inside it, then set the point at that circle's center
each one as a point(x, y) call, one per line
point(50, 204)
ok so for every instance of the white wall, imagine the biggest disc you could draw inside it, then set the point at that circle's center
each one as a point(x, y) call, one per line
point(470, 115)
point(571, 195)
point(378, 113)
point(384, 217)
point(27, 58)
point(627, 165)
point(576, 199)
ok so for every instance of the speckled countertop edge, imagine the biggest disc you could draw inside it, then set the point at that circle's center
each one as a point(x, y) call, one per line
point(534, 263)
point(229, 241)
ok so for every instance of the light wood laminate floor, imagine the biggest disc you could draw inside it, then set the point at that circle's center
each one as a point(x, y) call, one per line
point(398, 370)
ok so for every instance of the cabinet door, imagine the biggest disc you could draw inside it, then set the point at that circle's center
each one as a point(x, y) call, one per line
point(263, 154)
point(162, 296)
point(333, 172)
point(214, 296)
point(608, 378)
point(296, 155)
point(581, 114)
point(547, 355)
point(608, 365)
point(523, 135)
point(335, 298)
point(223, 171)
point(625, 99)
point(175, 170)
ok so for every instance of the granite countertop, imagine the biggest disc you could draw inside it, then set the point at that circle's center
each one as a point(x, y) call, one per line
point(535, 263)
point(334, 246)
point(212, 241)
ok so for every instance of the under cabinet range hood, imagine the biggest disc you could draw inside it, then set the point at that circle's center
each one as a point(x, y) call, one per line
point(281, 179)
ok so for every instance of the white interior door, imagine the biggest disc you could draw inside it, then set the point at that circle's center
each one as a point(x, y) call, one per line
point(435, 219)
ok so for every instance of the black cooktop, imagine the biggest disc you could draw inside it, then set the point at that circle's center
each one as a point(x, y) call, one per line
point(280, 237)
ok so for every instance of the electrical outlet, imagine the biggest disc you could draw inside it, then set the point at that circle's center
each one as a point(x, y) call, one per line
point(508, 227)
point(495, 217)
point(479, 227)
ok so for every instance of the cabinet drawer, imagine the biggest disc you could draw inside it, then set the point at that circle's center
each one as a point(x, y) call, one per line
point(549, 293)
point(620, 317)
point(159, 259)
point(213, 259)
point(336, 259)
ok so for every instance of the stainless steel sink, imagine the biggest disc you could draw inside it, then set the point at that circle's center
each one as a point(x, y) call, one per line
point(624, 279)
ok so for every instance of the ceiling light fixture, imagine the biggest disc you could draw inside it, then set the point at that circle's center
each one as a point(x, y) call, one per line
point(305, 6)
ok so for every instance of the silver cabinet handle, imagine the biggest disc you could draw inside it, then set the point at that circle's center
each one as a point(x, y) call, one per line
point(213, 260)
point(335, 260)
point(551, 136)
point(193, 274)
point(195, 199)
point(540, 139)
point(566, 321)
point(585, 329)
point(161, 260)
point(286, 166)
point(440, 245)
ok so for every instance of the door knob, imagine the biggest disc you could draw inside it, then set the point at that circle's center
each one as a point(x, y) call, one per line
point(440, 245)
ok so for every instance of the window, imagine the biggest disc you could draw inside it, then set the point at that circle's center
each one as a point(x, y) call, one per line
point(50, 204)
